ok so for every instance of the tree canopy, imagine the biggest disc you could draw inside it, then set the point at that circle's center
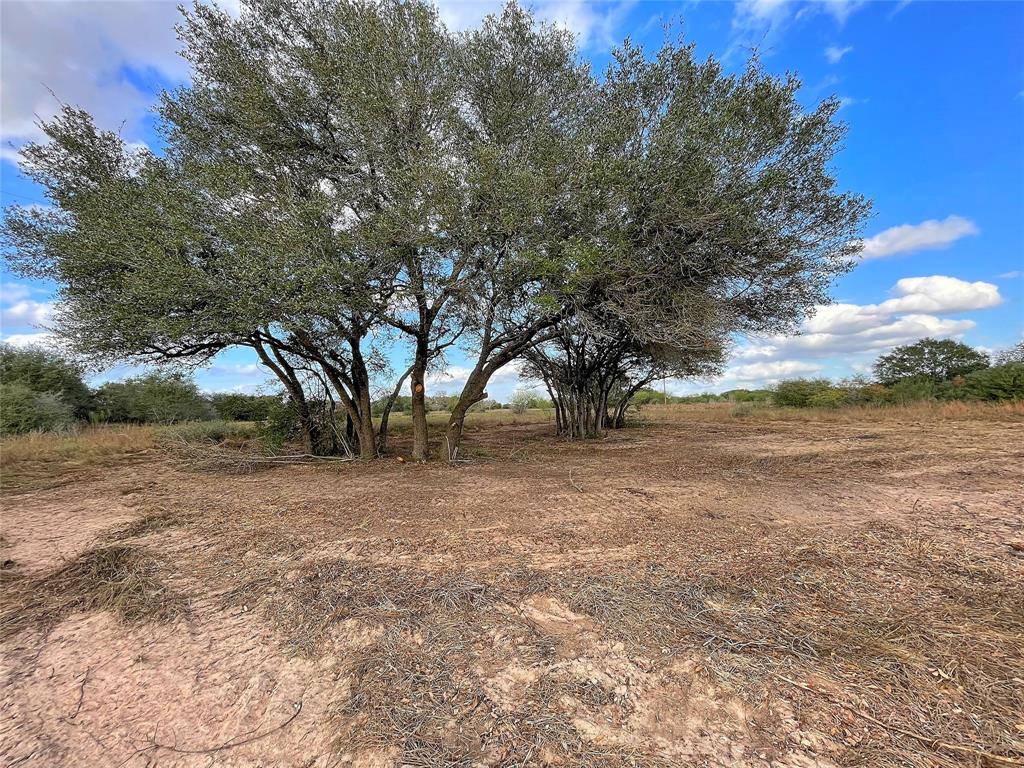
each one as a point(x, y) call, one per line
point(343, 179)
point(935, 359)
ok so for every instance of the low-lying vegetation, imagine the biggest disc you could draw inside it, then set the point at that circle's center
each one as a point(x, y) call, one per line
point(630, 613)
point(117, 578)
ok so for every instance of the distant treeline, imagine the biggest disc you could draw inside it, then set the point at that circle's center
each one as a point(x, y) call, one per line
point(40, 390)
point(929, 369)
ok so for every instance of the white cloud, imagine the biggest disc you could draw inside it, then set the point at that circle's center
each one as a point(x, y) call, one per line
point(452, 377)
point(939, 293)
point(771, 371)
point(593, 22)
point(13, 292)
point(1011, 275)
point(839, 329)
point(31, 340)
point(27, 313)
point(81, 53)
point(908, 238)
point(844, 338)
point(841, 10)
point(245, 370)
point(761, 24)
point(834, 53)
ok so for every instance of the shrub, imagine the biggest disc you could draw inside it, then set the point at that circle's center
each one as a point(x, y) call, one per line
point(42, 370)
point(748, 395)
point(157, 398)
point(912, 390)
point(22, 410)
point(235, 406)
point(524, 399)
point(209, 431)
point(798, 393)
point(827, 398)
point(1002, 382)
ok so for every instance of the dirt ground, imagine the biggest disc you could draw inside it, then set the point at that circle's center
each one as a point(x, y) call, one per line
point(706, 592)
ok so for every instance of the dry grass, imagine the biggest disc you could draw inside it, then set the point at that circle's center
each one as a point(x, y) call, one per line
point(121, 579)
point(496, 613)
point(923, 411)
point(42, 458)
point(923, 634)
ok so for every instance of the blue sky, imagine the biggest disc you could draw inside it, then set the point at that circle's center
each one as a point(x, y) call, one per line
point(933, 93)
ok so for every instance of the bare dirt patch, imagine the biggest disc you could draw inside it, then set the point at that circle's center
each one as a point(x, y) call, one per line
point(715, 592)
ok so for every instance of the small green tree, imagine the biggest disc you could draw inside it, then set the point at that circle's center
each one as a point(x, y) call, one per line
point(156, 398)
point(805, 393)
point(235, 406)
point(1001, 382)
point(23, 410)
point(935, 359)
point(42, 370)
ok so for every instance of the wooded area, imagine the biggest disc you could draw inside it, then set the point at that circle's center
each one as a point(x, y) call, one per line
point(345, 179)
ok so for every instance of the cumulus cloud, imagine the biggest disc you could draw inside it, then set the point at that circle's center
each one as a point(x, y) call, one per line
point(92, 55)
point(912, 313)
point(452, 377)
point(771, 372)
point(27, 313)
point(834, 53)
point(908, 238)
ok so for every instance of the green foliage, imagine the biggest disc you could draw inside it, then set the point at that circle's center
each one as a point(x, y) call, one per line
point(525, 399)
point(832, 397)
point(1001, 382)
point(234, 406)
point(209, 431)
point(156, 398)
point(442, 402)
point(911, 390)
point(1014, 354)
point(41, 370)
point(23, 410)
point(670, 195)
point(804, 393)
point(281, 425)
point(935, 359)
point(647, 396)
point(748, 395)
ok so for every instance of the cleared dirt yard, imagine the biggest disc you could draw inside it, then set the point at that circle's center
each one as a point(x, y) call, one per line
point(705, 589)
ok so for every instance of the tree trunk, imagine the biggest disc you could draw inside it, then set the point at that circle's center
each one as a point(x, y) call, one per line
point(419, 401)
point(382, 430)
point(311, 437)
point(472, 394)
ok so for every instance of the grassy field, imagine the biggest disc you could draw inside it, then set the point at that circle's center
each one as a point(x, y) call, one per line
point(717, 585)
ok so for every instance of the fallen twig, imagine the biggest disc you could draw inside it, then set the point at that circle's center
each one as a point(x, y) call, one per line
point(573, 482)
point(232, 743)
point(81, 692)
point(933, 743)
